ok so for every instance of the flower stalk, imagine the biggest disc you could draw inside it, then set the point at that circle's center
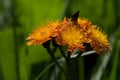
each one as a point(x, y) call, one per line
point(68, 67)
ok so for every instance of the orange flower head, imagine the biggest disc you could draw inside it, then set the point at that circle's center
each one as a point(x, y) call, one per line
point(71, 36)
point(93, 35)
point(43, 34)
point(99, 41)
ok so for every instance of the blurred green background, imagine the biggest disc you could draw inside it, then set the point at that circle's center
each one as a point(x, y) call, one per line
point(19, 17)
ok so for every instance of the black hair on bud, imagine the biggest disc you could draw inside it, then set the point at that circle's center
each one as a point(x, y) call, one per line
point(74, 17)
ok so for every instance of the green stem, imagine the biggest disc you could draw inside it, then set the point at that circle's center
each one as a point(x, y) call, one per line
point(16, 46)
point(16, 51)
point(68, 67)
point(55, 60)
point(62, 52)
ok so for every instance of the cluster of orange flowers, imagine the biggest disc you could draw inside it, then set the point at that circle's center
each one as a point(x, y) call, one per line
point(71, 34)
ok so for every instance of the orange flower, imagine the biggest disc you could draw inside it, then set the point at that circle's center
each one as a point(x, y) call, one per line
point(73, 38)
point(94, 36)
point(43, 34)
point(72, 34)
point(99, 41)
